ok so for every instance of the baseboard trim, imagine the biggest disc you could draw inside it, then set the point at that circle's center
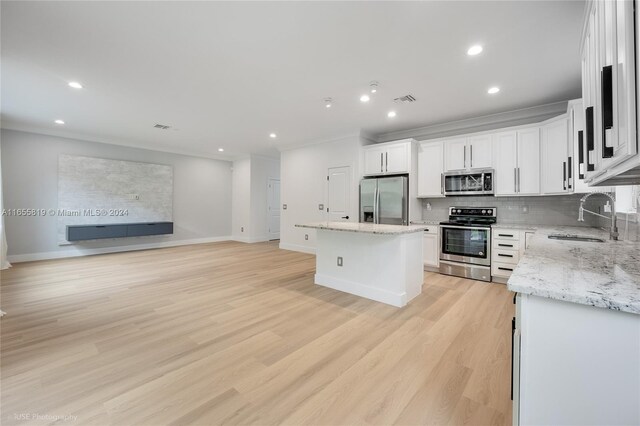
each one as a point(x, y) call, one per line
point(379, 295)
point(76, 252)
point(295, 247)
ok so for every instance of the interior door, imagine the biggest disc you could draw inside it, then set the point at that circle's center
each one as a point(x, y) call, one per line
point(392, 201)
point(273, 206)
point(506, 163)
point(339, 194)
point(529, 161)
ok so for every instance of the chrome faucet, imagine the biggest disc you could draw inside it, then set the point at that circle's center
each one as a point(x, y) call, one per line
point(613, 233)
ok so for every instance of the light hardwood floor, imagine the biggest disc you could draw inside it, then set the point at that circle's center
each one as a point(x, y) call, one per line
point(232, 333)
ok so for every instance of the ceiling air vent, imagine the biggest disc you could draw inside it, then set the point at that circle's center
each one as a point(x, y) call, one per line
point(405, 99)
point(161, 127)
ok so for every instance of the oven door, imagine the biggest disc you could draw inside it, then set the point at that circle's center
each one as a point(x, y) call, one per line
point(466, 244)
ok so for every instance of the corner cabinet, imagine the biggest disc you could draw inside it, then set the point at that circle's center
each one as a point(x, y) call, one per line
point(430, 169)
point(388, 158)
point(609, 50)
point(556, 169)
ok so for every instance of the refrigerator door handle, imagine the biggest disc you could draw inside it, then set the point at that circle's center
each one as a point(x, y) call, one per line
point(376, 213)
point(405, 201)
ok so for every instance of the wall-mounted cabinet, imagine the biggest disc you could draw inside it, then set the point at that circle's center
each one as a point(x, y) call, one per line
point(117, 230)
point(517, 162)
point(609, 49)
point(430, 169)
point(471, 152)
point(388, 158)
point(556, 171)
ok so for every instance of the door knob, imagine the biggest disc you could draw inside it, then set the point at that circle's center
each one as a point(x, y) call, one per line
point(345, 217)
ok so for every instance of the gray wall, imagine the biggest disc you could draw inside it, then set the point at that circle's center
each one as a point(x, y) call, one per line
point(202, 192)
point(545, 210)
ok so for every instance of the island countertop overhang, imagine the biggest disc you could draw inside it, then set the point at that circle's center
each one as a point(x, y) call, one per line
point(367, 228)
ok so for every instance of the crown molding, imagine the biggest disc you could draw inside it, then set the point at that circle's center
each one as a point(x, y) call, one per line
point(478, 124)
point(109, 141)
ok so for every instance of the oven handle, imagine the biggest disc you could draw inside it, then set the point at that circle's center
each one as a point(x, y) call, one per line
point(481, 228)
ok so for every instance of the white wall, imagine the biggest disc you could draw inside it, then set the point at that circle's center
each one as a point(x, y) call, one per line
point(202, 195)
point(250, 177)
point(304, 186)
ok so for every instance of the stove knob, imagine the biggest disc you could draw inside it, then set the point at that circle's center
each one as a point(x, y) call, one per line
point(484, 212)
point(490, 211)
point(459, 211)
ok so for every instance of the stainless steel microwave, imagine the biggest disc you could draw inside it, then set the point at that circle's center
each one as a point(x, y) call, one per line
point(472, 182)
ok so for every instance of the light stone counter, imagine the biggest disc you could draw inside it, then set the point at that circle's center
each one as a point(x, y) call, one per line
point(605, 275)
point(368, 228)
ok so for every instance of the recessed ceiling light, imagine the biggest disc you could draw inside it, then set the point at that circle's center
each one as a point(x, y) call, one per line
point(474, 50)
point(493, 90)
point(75, 85)
point(273, 135)
point(328, 102)
point(221, 149)
point(364, 98)
point(373, 86)
point(391, 114)
point(59, 122)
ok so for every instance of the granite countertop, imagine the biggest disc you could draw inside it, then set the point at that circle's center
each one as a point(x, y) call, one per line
point(605, 275)
point(426, 222)
point(368, 228)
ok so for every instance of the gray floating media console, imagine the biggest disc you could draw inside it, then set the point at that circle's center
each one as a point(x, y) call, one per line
point(117, 230)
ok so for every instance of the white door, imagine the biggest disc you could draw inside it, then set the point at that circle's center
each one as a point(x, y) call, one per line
point(554, 157)
point(455, 154)
point(430, 168)
point(339, 194)
point(397, 158)
point(479, 152)
point(529, 161)
point(506, 163)
point(273, 209)
point(373, 161)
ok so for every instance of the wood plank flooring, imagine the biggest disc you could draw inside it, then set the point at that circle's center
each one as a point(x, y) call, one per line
point(233, 333)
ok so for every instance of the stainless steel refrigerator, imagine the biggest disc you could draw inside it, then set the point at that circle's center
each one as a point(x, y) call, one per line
point(385, 200)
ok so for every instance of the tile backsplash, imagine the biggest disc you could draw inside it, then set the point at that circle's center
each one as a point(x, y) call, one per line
point(543, 210)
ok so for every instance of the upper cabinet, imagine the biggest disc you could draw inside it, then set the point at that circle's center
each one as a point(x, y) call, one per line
point(388, 158)
point(556, 171)
point(609, 48)
point(464, 153)
point(430, 169)
point(517, 162)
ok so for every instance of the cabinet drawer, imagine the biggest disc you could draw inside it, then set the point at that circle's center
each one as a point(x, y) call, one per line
point(505, 245)
point(95, 232)
point(431, 230)
point(504, 270)
point(505, 256)
point(506, 234)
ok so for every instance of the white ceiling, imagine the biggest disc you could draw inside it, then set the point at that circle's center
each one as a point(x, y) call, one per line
point(227, 74)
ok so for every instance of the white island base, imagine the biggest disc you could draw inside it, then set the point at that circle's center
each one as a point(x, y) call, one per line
point(379, 262)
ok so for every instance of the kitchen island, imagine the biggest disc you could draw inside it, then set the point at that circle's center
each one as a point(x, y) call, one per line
point(378, 262)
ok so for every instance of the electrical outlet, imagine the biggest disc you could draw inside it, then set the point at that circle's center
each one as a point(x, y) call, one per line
point(429, 206)
point(284, 207)
point(320, 206)
point(306, 237)
point(525, 209)
point(242, 229)
point(339, 260)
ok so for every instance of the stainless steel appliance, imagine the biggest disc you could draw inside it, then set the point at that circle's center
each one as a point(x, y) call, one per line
point(385, 200)
point(465, 242)
point(473, 182)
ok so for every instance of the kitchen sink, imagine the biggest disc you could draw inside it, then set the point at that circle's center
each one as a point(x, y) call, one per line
point(570, 237)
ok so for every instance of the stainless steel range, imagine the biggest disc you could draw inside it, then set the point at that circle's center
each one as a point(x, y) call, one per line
point(465, 242)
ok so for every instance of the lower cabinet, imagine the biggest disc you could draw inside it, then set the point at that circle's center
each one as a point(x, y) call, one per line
point(431, 248)
point(507, 246)
point(574, 364)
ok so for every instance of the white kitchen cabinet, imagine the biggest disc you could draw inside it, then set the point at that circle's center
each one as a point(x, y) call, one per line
point(431, 248)
point(388, 158)
point(430, 169)
point(554, 168)
point(517, 162)
point(609, 50)
point(471, 152)
point(574, 364)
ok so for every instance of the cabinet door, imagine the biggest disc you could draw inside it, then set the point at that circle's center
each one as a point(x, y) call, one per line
point(479, 155)
point(505, 159)
point(430, 168)
point(430, 250)
point(373, 161)
point(554, 157)
point(528, 174)
point(455, 154)
point(396, 158)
